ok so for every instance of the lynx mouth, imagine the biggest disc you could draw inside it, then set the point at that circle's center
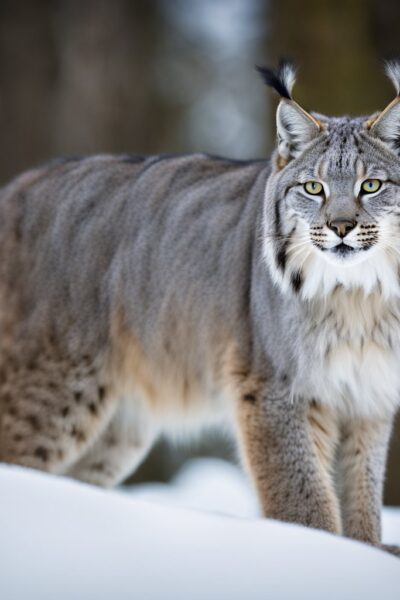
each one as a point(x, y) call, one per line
point(343, 249)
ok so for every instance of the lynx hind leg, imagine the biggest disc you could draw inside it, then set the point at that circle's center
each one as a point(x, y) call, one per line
point(50, 411)
point(121, 447)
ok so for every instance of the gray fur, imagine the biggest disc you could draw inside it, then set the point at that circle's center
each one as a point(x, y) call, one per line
point(142, 295)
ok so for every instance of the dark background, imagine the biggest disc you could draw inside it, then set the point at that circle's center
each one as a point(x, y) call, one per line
point(80, 77)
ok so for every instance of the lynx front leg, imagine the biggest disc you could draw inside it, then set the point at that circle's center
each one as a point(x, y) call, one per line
point(287, 463)
point(362, 461)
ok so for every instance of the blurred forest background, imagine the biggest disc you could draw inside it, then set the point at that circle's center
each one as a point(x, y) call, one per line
point(151, 76)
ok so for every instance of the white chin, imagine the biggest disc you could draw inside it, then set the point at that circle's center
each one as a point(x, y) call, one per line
point(347, 259)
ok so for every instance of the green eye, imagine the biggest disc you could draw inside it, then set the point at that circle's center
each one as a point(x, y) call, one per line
point(369, 186)
point(313, 187)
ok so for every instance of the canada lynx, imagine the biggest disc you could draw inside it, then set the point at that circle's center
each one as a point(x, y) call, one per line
point(143, 294)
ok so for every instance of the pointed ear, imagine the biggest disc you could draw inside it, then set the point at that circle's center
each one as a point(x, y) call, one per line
point(296, 128)
point(386, 125)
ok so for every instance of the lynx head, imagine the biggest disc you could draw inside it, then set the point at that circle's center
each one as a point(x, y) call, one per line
point(332, 203)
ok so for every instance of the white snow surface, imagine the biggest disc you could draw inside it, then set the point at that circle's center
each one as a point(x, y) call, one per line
point(197, 538)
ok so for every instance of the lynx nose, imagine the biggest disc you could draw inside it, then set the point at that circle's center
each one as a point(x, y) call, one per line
point(341, 226)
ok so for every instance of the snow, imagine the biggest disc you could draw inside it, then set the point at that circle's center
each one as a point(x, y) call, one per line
point(205, 484)
point(218, 486)
point(199, 538)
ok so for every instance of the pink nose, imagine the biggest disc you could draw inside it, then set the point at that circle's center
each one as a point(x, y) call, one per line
point(341, 226)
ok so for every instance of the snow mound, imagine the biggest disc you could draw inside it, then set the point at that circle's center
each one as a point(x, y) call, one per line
point(65, 540)
point(215, 485)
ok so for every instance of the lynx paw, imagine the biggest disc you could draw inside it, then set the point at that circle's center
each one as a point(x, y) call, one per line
point(390, 548)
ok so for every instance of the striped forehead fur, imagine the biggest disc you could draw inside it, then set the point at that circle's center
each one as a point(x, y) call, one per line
point(282, 80)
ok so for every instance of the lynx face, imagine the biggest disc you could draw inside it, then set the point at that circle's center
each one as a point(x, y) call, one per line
point(332, 206)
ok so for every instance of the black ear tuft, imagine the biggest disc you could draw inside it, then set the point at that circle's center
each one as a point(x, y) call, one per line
point(281, 80)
